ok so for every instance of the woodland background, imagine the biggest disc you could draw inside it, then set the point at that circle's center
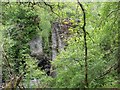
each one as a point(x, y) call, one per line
point(60, 45)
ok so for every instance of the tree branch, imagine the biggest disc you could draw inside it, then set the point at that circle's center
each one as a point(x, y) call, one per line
point(50, 7)
point(6, 61)
point(85, 44)
point(113, 67)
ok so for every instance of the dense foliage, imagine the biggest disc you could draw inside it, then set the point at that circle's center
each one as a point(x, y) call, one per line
point(22, 21)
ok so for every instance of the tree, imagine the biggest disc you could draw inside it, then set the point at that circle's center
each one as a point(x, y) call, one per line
point(79, 40)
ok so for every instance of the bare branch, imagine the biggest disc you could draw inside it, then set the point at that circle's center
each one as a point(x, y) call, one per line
point(85, 43)
point(50, 7)
point(113, 67)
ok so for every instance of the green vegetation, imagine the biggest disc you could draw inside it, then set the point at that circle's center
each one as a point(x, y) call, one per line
point(90, 59)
